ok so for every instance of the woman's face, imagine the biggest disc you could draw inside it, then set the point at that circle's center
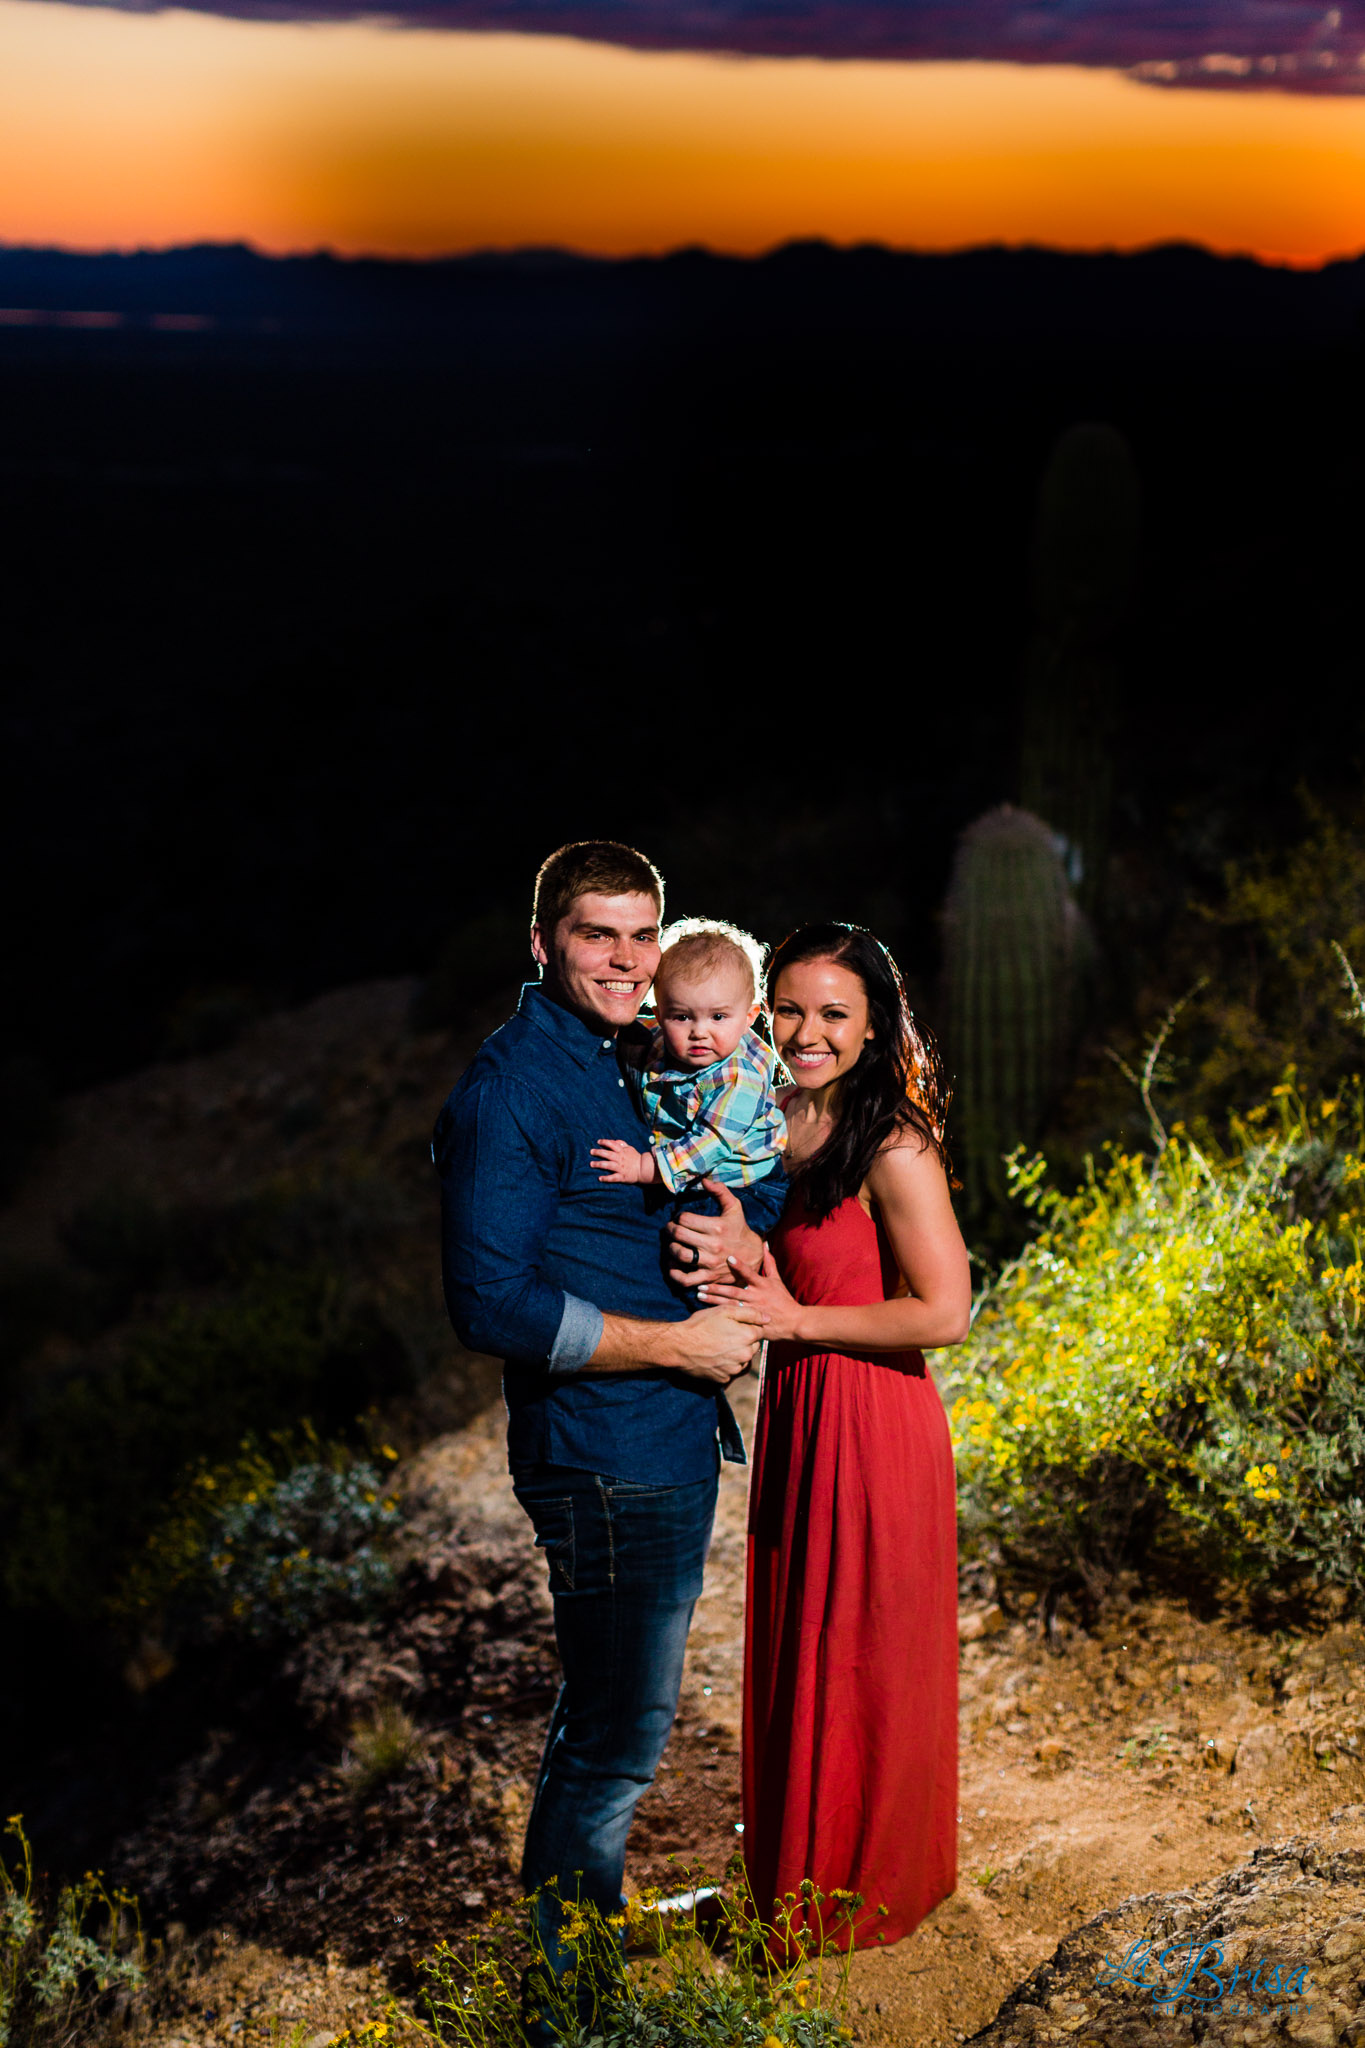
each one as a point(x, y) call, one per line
point(820, 1022)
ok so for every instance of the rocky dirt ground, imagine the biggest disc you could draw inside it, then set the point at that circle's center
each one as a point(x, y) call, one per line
point(1285, 1931)
point(1162, 1757)
point(1150, 1771)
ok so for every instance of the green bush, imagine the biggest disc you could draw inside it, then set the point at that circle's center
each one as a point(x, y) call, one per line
point(99, 1450)
point(57, 1968)
point(1175, 1366)
point(647, 1979)
point(1272, 998)
point(266, 1545)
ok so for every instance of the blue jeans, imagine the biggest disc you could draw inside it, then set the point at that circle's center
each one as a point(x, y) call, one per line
point(625, 1564)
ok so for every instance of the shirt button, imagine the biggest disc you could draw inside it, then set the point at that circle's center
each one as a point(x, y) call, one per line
point(619, 1082)
point(606, 1045)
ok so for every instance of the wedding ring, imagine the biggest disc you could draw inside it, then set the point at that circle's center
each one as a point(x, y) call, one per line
point(695, 1259)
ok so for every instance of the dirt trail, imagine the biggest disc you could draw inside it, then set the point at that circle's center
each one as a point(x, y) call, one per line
point(1158, 1753)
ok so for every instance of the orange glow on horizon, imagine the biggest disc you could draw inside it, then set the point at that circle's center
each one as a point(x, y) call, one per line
point(125, 129)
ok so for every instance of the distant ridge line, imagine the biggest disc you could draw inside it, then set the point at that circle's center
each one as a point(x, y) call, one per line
point(205, 295)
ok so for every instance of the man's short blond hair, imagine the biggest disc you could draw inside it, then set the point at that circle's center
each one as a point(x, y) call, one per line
point(591, 867)
point(695, 946)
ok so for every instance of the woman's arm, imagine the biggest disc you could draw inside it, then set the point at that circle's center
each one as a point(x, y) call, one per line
point(910, 1189)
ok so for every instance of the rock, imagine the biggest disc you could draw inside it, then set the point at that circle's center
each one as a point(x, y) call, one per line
point(1027, 2018)
point(1263, 1756)
point(1219, 1752)
point(1197, 1674)
point(987, 1621)
point(150, 1662)
point(1051, 1750)
point(1347, 1941)
point(1314, 2029)
point(1297, 1906)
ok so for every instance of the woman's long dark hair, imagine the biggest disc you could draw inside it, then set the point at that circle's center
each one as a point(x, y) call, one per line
point(898, 1082)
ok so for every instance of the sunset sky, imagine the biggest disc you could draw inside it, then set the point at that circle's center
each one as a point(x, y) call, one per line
point(123, 129)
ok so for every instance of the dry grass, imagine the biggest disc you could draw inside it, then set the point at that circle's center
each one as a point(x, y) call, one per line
point(384, 1743)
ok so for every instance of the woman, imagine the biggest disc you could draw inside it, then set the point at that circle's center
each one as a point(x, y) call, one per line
point(850, 1738)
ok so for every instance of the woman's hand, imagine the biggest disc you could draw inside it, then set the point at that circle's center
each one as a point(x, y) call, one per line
point(713, 1239)
point(760, 1287)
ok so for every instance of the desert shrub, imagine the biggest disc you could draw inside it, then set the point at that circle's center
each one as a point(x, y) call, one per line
point(37, 1302)
point(383, 1744)
point(1273, 996)
point(304, 1550)
point(1175, 1366)
point(58, 1968)
point(125, 1238)
point(286, 1535)
point(98, 1450)
point(675, 1992)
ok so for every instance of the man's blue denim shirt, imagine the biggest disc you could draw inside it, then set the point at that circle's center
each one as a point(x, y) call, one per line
point(535, 1248)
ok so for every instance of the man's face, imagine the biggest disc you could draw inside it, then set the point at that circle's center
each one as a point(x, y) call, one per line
point(601, 957)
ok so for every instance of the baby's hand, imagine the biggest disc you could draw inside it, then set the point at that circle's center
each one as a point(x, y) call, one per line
point(620, 1164)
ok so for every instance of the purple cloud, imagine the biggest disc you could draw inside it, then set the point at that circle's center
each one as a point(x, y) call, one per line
point(1294, 45)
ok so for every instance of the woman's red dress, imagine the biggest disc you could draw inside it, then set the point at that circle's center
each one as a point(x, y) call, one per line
point(850, 1671)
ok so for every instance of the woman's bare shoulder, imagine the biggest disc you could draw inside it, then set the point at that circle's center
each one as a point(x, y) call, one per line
point(906, 1159)
point(909, 1139)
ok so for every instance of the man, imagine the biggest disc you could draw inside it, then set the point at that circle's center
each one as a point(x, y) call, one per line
point(615, 1391)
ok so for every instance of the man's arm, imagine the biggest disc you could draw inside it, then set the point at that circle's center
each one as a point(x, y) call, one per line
point(496, 1152)
point(708, 1345)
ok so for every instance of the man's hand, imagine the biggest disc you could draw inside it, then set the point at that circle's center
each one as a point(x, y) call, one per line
point(715, 1239)
point(720, 1343)
point(620, 1164)
point(716, 1344)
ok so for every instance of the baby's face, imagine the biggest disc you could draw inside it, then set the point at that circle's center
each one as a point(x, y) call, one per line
point(704, 1020)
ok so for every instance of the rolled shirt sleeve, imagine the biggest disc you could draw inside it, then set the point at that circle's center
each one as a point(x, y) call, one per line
point(497, 1154)
point(580, 1333)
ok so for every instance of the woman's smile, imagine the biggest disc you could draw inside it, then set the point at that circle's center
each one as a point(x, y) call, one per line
point(824, 996)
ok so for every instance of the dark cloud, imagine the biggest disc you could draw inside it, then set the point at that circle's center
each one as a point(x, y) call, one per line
point(1296, 45)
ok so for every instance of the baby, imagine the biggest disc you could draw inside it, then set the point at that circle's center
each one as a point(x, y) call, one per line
point(707, 1082)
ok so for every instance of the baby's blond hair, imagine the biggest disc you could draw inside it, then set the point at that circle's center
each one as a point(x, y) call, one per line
point(696, 945)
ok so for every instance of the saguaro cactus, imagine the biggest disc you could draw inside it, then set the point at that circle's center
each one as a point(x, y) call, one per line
point(1085, 556)
point(1014, 948)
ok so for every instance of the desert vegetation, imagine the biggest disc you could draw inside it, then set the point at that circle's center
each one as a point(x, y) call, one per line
point(275, 1660)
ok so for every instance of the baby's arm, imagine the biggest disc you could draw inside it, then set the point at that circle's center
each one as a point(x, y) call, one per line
point(621, 1165)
